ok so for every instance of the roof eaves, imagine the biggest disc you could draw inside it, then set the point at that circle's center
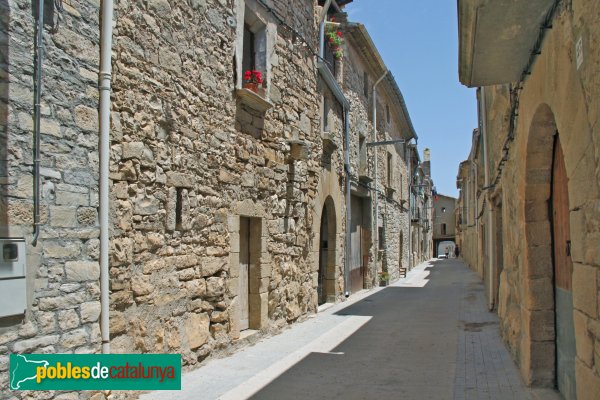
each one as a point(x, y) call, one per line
point(359, 33)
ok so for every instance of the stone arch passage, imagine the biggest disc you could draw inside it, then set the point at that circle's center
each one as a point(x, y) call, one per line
point(327, 253)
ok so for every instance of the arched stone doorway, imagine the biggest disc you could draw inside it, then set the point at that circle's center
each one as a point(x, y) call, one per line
point(549, 337)
point(327, 249)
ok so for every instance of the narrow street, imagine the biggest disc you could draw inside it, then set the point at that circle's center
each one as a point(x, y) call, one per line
point(427, 336)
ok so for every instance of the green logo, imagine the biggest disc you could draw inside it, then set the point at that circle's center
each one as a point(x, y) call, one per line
point(95, 372)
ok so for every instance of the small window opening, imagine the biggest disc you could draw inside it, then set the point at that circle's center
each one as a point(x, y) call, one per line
point(179, 209)
point(325, 115)
point(389, 170)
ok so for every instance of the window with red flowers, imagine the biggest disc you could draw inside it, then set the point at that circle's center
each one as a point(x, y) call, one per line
point(254, 59)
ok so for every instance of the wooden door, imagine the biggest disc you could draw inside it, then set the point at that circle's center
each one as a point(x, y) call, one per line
point(244, 271)
point(563, 271)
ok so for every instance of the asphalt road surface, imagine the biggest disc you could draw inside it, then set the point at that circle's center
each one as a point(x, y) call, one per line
point(431, 342)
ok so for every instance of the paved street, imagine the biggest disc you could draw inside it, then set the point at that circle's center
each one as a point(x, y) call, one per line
point(427, 336)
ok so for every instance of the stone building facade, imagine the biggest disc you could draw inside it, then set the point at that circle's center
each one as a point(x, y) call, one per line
point(228, 208)
point(534, 168)
point(206, 185)
point(421, 207)
point(60, 303)
point(364, 68)
point(444, 222)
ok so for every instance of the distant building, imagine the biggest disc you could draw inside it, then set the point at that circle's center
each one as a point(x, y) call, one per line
point(444, 222)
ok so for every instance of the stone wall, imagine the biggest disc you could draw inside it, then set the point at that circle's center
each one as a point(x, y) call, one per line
point(559, 96)
point(62, 269)
point(393, 215)
point(189, 160)
point(193, 160)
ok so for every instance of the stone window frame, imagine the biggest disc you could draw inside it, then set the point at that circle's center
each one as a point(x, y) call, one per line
point(325, 111)
point(253, 13)
point(259, 272)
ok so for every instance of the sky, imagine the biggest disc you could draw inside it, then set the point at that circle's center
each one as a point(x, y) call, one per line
point(418, 40)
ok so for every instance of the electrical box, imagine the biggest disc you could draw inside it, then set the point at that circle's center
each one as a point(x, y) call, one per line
point(13, 292)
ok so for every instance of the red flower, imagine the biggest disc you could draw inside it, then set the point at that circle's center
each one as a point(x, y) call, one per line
point(339, 33)
point(252, 76)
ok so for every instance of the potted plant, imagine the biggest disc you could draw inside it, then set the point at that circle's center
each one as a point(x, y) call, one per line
point(252, 79)
point(384, 278)
point(335, 39)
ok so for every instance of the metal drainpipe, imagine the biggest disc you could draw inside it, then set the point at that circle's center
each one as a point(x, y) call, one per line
point(36, 121)
point(104, 86)
point(348, 198)
point(490, 242)
point(376, 198)
point(475, 211)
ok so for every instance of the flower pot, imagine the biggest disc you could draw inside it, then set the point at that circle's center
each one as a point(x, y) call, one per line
point(251, 86)
point(383, 283)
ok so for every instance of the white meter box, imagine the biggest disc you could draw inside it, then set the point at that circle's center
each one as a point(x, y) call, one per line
point(13, 256)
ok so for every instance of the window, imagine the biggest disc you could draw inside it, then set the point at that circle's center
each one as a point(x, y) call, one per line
point(387, 113)
point(179, 209)
point(362, 154)
point(443, 229)
point(330, 58)
point(252, 45)
point(325, 114)
point(443, 209)
point(381, 238)
point(255, 45)
point(366, 84)
point(249, 58)
point(389, 170)
point(401, 185)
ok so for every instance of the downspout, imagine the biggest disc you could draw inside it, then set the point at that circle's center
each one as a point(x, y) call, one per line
point(104, 87)
point(475, 211)
point(376, 193)
point(490, 242)
point(39, 46)
point(348, 199)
